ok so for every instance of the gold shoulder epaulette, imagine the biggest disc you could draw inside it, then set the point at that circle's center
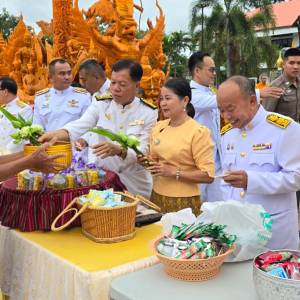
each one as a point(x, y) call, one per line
point(226, 128)
point(148, 103)
point(21, 103)
point(107, 96)
point(41, 92)
point(279, 121)
point(80, 90)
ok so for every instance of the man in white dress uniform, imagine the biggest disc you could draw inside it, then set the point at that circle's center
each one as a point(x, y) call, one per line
point(261, 158)
point(10, 101)
point(123, 111)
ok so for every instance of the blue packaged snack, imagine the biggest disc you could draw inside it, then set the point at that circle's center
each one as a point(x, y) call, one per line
point(278, 272)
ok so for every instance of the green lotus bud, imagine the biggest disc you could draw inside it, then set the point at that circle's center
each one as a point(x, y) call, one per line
point(132, 141)
point(25, 132)
point(37, 129)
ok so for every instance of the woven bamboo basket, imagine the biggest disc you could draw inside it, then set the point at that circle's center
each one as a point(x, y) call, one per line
point(192, 269)
point(106, 225)
point(59, 148)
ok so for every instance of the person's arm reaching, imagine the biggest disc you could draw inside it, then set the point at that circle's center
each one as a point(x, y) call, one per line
point(10, 157)
point(75, 129)
point(37, 161)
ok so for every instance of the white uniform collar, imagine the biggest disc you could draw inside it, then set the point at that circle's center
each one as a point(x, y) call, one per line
point(134, 103)
point(198, 86)
point(12, 102)
point(105, 87)
point(63, 92)
point(259, 116)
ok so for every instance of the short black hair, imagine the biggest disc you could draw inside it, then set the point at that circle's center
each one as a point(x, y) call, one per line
point(291, 52)
point(196, 60)
point(180, 87)
point(92, 66)
point(8, 83)
point(55, 61)
point(135, 69)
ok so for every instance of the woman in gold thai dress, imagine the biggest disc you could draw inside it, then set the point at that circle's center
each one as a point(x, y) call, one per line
point(181, 152)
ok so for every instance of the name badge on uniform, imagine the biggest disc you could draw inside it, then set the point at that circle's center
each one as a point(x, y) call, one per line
point(256, 147)
point(73, 103)
point(136, 122)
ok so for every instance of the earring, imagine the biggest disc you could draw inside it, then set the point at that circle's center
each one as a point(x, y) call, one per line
point(184, 109)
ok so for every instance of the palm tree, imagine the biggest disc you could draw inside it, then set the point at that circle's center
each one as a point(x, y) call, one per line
point(175, 46)
point(230, 34)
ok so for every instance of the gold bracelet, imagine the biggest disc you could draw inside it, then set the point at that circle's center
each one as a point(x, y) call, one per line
point(177, 174)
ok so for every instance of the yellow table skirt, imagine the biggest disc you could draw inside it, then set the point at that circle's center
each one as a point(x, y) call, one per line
point(73, 246)
point(67, 265)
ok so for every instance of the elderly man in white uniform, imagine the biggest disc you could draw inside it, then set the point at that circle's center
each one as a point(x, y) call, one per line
point(123, 112)
point(203, 70)
point(10, 101)
point(261, 158)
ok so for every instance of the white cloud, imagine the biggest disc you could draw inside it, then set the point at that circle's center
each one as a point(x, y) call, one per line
point(176, 11)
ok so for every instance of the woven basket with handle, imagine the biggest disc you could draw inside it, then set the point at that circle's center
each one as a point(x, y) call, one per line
point(106, 224)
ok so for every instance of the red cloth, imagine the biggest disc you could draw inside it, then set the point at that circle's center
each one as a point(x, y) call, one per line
point(36, 210)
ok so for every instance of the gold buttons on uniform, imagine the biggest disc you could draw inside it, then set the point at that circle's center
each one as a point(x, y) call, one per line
point(244, 134)
point(243, 154)
point(242, 194)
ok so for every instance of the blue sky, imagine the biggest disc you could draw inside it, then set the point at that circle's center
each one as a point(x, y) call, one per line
point(177, 12)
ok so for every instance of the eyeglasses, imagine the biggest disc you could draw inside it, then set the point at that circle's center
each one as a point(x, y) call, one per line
point(212, 70)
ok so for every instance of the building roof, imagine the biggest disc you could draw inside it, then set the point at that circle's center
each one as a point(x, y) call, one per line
point(286, 13)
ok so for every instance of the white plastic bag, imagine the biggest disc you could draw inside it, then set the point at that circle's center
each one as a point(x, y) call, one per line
point(250, 222)
point(184, 216)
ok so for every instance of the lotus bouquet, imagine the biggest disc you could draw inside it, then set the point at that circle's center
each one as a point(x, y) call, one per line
point(126, 141)
point(26, 131)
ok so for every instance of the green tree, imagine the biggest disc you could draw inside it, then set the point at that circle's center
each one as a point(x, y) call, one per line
point(230, 34)
point(7, 22)
point(259, 3)
point(175, 46)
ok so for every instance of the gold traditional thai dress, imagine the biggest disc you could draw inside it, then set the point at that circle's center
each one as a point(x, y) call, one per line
point(188, 147)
